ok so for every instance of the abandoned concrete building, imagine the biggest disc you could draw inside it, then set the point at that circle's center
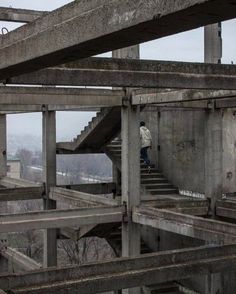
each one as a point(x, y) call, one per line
point(172, 230)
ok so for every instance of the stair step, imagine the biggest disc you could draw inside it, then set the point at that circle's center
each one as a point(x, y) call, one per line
point(158, 186)
point(146, 175)
point(153, 181)
point(143, 165)
point(163, 191)
point(152, 171)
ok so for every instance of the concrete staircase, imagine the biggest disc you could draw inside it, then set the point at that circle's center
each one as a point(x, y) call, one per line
point(100, 130)
point(152, 183)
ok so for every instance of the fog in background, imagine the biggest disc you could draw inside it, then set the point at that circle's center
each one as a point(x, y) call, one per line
point(186, 46)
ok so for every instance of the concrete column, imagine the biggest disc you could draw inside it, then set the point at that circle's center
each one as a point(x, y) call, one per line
point(132, 52)
point(213, 43)
point(3, 145)
point(213, 145)
point(3, 173)
point(49, 178)
point(130, 180)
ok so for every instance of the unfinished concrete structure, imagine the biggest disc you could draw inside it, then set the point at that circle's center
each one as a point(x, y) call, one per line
point(190, 108)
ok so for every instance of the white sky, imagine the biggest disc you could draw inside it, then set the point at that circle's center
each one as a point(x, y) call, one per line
point(186, 46)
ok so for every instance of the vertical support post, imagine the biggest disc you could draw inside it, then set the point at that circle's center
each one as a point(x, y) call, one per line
point(3, 173)
point(213, 43)
point(49, 178)
point(3, 145)
point(213, 144)
point(132, 52)
point(130, 180)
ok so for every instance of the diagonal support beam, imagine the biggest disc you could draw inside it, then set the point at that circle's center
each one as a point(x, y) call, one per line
point(21, 260)
point(187, 225)
point(141, 21)
point(124, 272)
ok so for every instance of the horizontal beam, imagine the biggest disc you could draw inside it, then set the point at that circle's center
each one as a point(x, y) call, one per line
point(93, 188)
point(19, 15)
point(21, 260)
point(14, 183)
point(24, 96)
point(124, 272)
point(20, 109)
point(76, 198)
point(39, 46)
point(226, 208)
point(187, 225)
point(21, 193)
point(60, 218)
point(183, 97)
point(113, 73)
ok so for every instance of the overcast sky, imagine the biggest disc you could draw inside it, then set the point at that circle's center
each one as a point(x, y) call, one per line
point(187, 46)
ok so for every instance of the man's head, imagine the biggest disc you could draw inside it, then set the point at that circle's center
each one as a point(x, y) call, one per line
point(142, 124)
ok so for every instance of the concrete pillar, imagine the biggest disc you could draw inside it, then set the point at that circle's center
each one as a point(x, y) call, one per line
point(130, 180)
point(213, 145)
point(3, 173)
point(3, 145)
point(49, 178)
point(213, 43)
point(132, 52)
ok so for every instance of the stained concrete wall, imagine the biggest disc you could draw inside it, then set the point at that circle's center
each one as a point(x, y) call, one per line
point(178, 146)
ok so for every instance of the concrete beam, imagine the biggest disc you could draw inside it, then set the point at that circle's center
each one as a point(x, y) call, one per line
point(146, 74)
point(226, 208)
point(19, 15)
point(21, 109)
point(60, 218)
point(72, 197)
point(94, 188)
point(16, 183)
point(22, 261)
point(40, 96)
point(21, 193)
point(191, 226)
point(184, 97)
point(48, 45)
point(124, 272)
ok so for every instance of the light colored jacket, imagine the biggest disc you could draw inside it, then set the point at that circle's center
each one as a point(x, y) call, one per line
point(145, 137)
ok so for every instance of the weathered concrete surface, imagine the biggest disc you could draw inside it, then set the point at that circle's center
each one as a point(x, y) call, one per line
point(57, 45)
point(213, 43)
point(16, 183)
point(181, 147)
point(21, 193)
point(22, 261)
point(50, 180)
point(191, 226)
point(156, 97)
point(19, 15)
point(150, 74)
point(75, 198)
point(60, 96)
point(99, 132)
point(3, 145)
point(94, 188)
point(60, 218)
point(124, 272)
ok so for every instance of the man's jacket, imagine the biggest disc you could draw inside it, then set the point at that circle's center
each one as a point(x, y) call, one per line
point(145, 137)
